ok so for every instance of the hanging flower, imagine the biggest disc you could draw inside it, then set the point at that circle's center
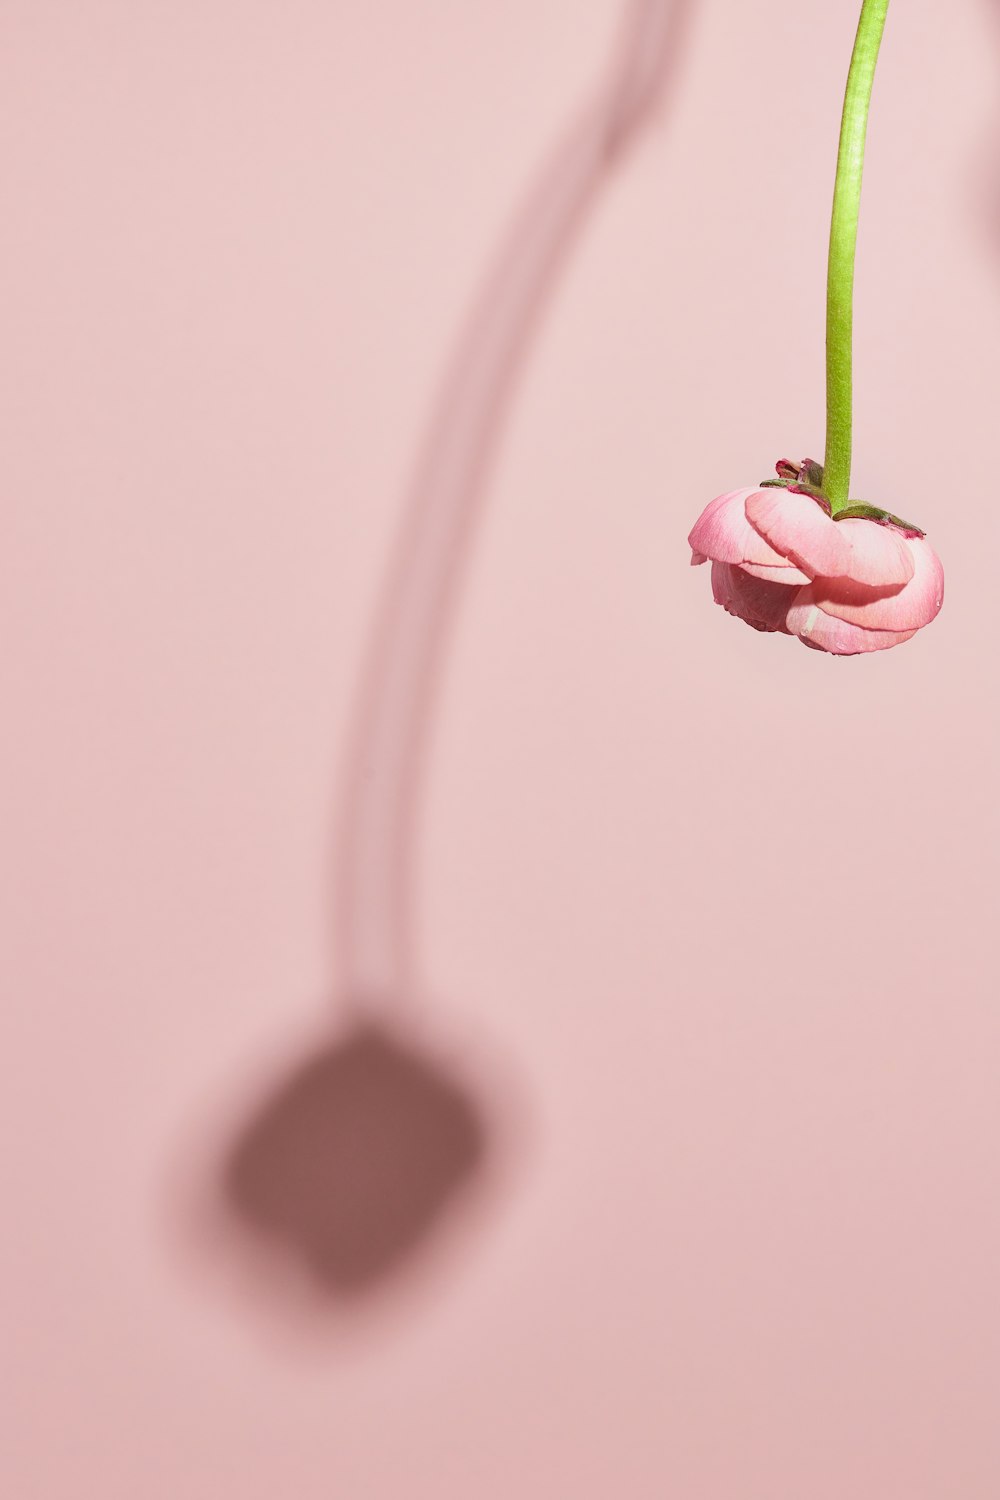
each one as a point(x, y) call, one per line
point(796, 554)
point(861, 580)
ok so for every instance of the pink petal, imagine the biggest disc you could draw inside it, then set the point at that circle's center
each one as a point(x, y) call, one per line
point(761, 604)
point(799, 528)
point(908, 608)
point(816, 628)
point(785, 574)
point(723, 533)
point(879, 555)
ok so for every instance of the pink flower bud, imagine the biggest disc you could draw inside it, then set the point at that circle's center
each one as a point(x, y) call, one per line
point(782, 563)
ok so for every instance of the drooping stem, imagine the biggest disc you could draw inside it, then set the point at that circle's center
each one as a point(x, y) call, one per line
point(843, 240)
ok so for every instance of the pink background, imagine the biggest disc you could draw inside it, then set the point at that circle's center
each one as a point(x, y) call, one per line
point(552, 1051)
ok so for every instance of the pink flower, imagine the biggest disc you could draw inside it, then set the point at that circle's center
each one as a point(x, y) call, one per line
point(782, 563)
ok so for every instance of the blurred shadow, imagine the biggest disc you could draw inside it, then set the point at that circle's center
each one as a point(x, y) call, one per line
point(352, 1159)
point(380, 798)
point(355, 1156)
point(987, 175)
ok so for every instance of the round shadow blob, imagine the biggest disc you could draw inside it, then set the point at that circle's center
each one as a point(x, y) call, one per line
point(353, 1158)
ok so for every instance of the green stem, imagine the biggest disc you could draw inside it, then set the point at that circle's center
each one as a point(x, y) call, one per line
point(843, 241)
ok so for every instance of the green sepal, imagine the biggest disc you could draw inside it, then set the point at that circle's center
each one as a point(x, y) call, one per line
point(811, 489)
point(800, 489)
point(862, 511)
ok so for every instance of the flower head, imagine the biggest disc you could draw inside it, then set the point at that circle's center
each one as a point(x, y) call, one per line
point(862, 580)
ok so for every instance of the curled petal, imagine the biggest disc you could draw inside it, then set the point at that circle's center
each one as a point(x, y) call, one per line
point(785, 574)
point(814, 627)
point(907, 608)
point(759, 602)
point(879, 555)
point(799, 529)
point(723, 533)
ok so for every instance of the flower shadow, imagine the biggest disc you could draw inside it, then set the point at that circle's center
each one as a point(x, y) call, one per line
point(353, 1156)
point(354, 1164)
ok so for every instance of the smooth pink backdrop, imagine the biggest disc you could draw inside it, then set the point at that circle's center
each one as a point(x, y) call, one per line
point(706, 922)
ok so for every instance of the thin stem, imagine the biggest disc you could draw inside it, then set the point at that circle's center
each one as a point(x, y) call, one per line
point(843, 241)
